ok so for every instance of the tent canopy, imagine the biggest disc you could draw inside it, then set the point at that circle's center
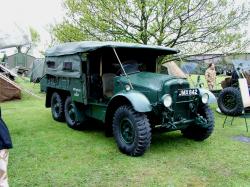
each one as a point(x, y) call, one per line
point(37, 70)
point(189, 68)
point(9, 89)
point(174, 70)
point(242, 64)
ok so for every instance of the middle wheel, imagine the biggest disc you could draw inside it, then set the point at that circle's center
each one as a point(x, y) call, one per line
point(70, 111)
point(131, 130)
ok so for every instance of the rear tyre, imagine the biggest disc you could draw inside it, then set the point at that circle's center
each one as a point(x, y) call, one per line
point(57, 105)
point(199, 133)
point(229, 101)
point(70, 111)
point(131, 130)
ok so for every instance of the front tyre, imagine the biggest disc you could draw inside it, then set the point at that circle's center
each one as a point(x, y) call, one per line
point(131, 130)
point(199, 133)
point(70, 111)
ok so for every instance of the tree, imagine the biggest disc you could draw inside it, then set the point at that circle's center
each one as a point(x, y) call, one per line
point(35, 39)
point(193, 26)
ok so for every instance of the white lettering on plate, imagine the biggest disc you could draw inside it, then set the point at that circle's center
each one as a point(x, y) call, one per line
point(188, 92)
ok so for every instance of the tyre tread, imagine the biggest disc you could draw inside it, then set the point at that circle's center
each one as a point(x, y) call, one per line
point(143, 130)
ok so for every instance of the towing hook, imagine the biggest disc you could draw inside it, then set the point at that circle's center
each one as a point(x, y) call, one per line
point(201, 121)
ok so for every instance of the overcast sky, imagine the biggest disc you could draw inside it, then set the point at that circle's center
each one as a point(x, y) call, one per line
point(37, 14)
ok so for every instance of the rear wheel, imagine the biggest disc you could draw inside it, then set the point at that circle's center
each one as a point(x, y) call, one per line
point(197, 132)
point(229, 101)
point(131, 130)
point(70, 111)
point(57, 105)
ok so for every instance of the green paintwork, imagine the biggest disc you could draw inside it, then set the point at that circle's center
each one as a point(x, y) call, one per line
point(76, 87)
point(151, 81)
point(96, 111)
point(149, 84)
point(145, 95)
point(137, 99)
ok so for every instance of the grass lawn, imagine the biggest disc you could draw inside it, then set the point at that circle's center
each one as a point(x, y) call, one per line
point(193, 80)
point(48, 153)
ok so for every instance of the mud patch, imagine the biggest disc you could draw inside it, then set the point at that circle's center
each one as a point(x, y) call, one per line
point(242, 139)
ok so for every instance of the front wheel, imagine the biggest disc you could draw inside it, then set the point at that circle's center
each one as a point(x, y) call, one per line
point(131, 130)
point(200, 133)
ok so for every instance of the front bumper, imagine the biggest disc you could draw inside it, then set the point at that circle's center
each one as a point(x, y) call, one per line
point(181, 114)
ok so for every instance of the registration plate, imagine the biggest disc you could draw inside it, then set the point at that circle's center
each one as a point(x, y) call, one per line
point(188, 92)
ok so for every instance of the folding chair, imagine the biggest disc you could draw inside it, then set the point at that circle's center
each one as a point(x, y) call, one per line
point(245, 100)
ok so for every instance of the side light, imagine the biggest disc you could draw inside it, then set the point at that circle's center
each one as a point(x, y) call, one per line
point(127, 87)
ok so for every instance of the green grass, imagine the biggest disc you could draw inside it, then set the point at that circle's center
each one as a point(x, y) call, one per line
point(48, 153)
point(193, 80)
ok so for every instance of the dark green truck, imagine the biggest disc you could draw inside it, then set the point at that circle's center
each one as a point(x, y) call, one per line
point(117, 84)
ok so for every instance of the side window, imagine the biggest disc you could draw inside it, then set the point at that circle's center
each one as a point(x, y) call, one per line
point(50, 64)
point(67, 66)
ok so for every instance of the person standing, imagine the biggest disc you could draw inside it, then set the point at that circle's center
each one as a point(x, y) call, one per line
point(5, 145)
point(210, 76)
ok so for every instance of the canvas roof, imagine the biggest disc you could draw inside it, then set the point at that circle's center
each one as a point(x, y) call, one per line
point(86, 46)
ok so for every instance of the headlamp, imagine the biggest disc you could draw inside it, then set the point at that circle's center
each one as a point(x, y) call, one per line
point(204, 98)
point(167, 100)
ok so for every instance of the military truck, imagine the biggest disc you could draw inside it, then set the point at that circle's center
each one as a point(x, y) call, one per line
point(117, 84)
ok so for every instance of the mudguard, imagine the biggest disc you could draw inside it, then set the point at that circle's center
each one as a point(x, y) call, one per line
point(212, 98)
point(139, 101)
